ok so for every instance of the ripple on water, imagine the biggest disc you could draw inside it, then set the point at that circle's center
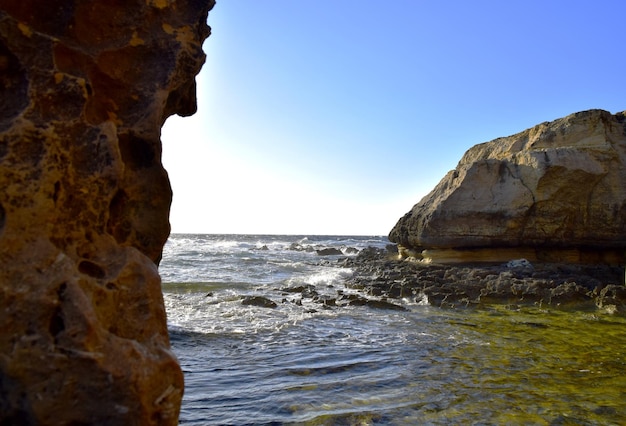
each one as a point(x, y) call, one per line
point(427, 366)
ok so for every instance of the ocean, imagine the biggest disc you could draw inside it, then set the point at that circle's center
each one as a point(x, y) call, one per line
point(263, 338)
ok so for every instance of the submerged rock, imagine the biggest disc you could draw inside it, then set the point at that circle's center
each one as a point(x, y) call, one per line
point(260, 301)
point(553, 193)
point(377, 304)
point(330, 251)
point(85, 87)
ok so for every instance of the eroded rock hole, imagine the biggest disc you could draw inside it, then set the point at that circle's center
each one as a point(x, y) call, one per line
point(57, 322)
point(3, 216)
point(137, 153)
point(118, 224)
point(4, 149)
point(93, 270)
point(57, 191)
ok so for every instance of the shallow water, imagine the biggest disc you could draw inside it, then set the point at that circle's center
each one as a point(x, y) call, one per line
point(303, 364)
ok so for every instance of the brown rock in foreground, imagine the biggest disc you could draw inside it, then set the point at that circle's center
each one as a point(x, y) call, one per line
point(555, 192)
point(85, 87)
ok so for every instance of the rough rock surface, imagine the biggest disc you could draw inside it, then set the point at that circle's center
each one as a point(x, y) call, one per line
point(85, 87)
point(555, 192)
point(515, 283)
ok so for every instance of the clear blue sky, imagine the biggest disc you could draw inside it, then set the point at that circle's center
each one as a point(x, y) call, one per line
point(336, 117)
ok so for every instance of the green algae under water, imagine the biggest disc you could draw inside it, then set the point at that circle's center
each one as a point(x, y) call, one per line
point(429, 366)
point(533, 366)
point(304, 363)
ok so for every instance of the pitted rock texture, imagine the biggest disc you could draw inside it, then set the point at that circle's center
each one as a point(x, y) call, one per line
point(85, 87)
point(555, 192)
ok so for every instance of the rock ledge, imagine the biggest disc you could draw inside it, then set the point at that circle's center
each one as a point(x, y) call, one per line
point(516, 283)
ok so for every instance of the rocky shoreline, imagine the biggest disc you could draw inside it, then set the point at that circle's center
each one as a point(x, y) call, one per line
point(381, 273)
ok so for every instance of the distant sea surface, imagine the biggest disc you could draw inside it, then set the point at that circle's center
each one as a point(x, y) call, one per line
point(303, 362)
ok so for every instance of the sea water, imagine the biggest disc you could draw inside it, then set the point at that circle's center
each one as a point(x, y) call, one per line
point(312, 363)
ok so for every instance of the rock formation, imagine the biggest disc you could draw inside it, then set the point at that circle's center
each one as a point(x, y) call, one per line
point(85, 87)
point(555, 192)
point(513, 284)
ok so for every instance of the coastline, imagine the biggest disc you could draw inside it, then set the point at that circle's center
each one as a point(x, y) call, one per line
point(381, 273)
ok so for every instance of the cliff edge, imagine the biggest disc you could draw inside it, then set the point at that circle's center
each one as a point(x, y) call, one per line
point(85, 87)
point(555, 192)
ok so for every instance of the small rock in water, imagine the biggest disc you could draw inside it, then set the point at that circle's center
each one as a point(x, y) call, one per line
point(329, 252)
point(326, 300)
point(356, 300)
point(381, 304)
point(260, 301)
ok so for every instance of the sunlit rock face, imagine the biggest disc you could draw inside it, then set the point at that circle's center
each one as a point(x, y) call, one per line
point(555, 192)
point(85, 87)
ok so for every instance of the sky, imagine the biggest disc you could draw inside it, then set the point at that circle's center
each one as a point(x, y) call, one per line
point(336, 117)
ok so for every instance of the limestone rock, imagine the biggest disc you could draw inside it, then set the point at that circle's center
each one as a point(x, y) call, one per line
point(85, 87)
point(555, 192)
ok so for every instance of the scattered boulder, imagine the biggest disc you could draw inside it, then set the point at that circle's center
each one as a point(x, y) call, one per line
point(300, 247)
point(326, 300)
point(330, 251)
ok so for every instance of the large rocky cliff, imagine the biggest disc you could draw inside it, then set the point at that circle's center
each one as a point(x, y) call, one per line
point(555, 192)
point(85, 86)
